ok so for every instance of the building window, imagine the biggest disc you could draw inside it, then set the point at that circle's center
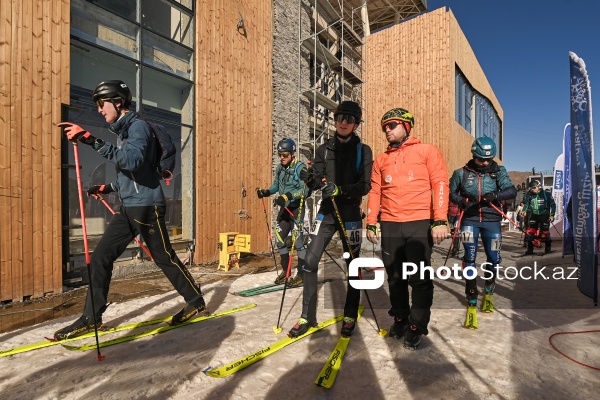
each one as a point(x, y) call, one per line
point(471, 105)
point(464, 101)
point(149, 45)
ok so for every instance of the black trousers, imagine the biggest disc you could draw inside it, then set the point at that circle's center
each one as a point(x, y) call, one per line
point(127, 223)
point(317, 244)
point(408, 242)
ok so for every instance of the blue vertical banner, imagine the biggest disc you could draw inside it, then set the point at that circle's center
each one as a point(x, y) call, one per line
point(583, 181)
point(567, 216)
point(558, 193)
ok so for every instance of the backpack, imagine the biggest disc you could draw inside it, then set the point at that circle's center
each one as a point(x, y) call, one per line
point(166, 152)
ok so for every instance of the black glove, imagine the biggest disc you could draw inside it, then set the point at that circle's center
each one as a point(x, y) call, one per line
point(306, 174)
point(372, 228)
point(489, 197)
point(100, 189)
point(464, 204)
point(283, 199)
point(330, 190)
point(262, 193)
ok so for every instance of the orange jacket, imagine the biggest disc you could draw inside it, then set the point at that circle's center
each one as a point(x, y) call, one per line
point(402, 182)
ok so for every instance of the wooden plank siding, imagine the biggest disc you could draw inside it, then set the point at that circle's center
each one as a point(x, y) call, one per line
point(233, 120)
point(411, 65)
point(34, 81)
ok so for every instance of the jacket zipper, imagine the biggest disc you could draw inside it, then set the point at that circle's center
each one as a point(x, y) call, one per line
point(134, 182)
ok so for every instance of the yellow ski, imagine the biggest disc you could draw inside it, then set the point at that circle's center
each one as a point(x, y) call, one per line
point(155, 331)
point(330, 370)
point(101, 331)
point(471, 319)
point(488, 303)
point(242, 363)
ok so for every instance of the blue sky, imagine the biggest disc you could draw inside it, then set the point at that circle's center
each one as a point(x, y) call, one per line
point(523, 47)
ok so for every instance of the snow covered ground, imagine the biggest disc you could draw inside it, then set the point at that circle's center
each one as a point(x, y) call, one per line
point(508, 357)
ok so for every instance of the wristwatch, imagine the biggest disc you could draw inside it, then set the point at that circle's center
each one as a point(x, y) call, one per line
point(98, 143)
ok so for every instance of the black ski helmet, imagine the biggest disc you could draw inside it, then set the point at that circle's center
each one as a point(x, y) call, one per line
point(286, 144)
point(112, 90)
point(349, 108)
point(534, 183)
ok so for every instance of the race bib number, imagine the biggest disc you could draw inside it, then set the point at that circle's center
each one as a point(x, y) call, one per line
point(496, 243)
point(466, 234)
point(354, 233)
point(316, 224)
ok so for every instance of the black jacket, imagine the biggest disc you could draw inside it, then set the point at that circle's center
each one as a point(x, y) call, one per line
point(340, 163)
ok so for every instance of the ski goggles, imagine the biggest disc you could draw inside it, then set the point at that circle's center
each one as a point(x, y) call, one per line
point(350, 118)
point(284, 154)
point(100, 102)
point(391, 124)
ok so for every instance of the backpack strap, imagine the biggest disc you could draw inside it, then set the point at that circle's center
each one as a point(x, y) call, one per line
point(359, 147)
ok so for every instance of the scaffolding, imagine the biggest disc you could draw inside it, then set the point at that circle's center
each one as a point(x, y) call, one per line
point(335, 69)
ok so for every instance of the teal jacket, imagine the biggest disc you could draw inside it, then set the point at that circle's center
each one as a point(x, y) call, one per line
point(539, 203)
point(287, 181)
point(472, 182)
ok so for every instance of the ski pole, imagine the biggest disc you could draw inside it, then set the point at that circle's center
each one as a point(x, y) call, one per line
point(382, 332)
point(270, 236)
point(506, 216)
point(277, 329)
point(99, 197)
point(85, 245)
point(456, 228)
point(557, 231)
point(326, 252)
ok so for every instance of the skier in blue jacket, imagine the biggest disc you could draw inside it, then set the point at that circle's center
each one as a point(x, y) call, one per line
point(291, 189)
point(475, 187)
point(142, 211)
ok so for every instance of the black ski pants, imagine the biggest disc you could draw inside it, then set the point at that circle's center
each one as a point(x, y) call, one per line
point(319, 239)
point(285, 225)
point(409, 242)
point(127, 223)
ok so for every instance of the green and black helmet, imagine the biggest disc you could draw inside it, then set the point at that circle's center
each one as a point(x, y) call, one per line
point(398, 114)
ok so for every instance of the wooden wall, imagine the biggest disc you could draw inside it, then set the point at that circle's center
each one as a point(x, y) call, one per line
point(34, 81)
point(233, 120)
point(411, 65)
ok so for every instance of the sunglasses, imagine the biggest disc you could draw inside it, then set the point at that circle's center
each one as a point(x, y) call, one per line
point(100, 102)
point(392, 125)
point(350, 118)
point(284, 154)
point(482, 160)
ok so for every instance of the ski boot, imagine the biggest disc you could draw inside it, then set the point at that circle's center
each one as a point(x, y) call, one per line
point(280, 278)
point(188, 312)
point(285, 259)
point(80, 327)
point(488, 301)
point(348, 326)
point(295, 281)
point(301, 327)
point(398, 328)
point(412, 338)
point(471, 318)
